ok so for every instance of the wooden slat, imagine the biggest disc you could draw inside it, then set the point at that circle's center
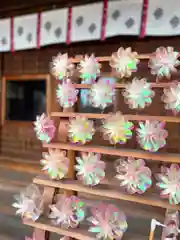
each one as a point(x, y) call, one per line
point(165, 157)
point(128, 117)
point(104, 191)
point(12, 186)
point(122, 85)
point(78, 58)
point(20, 167)
point(78, 233)
point(15, 160)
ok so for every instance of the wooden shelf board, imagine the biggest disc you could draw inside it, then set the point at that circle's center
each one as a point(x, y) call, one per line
point(127, 117)
point(165, 157)
point(78, 233)
point(122, 85)
point(78, 58)
point(105, 191)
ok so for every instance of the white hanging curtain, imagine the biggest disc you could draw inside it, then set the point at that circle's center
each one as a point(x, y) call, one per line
point(87, 22)
point(25, 32)
point(5, 35)
point(54, 27)
point(124, 17)
point(163, 18)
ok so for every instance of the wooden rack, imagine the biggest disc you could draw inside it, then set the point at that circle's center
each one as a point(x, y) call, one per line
point(71, 186)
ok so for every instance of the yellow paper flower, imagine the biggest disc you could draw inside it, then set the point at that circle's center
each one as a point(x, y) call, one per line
point(117, 129)
point(124, 61)
point(81, 130)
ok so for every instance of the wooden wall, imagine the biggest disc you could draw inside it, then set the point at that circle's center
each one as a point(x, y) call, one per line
point(19, 140)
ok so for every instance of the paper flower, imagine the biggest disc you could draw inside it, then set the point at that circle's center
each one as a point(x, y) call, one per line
point(62, 66)
point(171, 229)
point(124, 61)
point(117, 129)
point(138, 94)
point(81, 130)
point(90, 168)
point(169, 183)
point(56, 163)
point(171, 97)
point(65, 238)
point(108, 222)
point(29, 203)
point(133, 174)
point(151, 135)
point(89, 68)
point(44, 128)
point(66, 94)
point(102, 94)
point(68, 212)
point(164, 62)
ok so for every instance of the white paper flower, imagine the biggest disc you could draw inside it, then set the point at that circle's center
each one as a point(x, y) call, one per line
point(117, 129)
point(169, 183)
point(67, 94)
point(90, 168)
point(89, 68)
point(108, 222)
point(67, 212)
point(152, 135)
point(138, 94)
point(29, 203)
point(171, 97)
point(56, 163)
point(124, 61)
point(62, 66)
point(164, 62)
point(102, 94)
point(81, 130)
point(133, 174)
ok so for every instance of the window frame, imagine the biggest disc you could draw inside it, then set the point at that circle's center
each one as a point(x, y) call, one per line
point(33, 77)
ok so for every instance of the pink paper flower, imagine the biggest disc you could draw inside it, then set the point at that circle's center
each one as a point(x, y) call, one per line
point(89, 68)
point(133, 174)
point(138, 94)
point(169, 183)
point(56, 163)
point(90, 168)
point(171, 97)
point(68, 212)
point(81, 130)
point(117, 129)
point(102, 94)
point(124, 61)
point(164, 62)
point(67, 94)
point(29, 203)
point(62, 66)
point(108, 222)
point(44, 128)
point(151, 135)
